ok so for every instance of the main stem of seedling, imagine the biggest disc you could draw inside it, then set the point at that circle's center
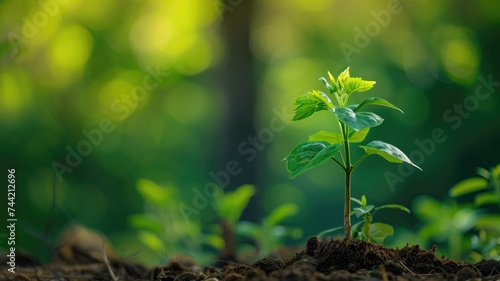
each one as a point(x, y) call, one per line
point(347, 170)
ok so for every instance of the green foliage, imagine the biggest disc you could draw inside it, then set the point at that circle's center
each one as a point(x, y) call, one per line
point(486, 191)
point(357, 121)
point(162, 228)
point(366, 229)
point(354, 126)
point(470, 230)
point(310, 154)
point(486, 187)
point(387, 151)
point(446, 222)
point(270, 235)
point(310, 103)
point(230, 206)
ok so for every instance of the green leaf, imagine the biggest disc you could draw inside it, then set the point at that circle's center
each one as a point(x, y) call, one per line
point(154, 193)
point(332, 138)
point(358, 136)
point(329, 137)
point(142, 221)
point(332, 79)
point(428, 208)
point(489, 221)
point(152, 241)
point(483, 172)
point(213, 240)
point(393, 206)
point(495, 172)
point(328, 231)
point(280, 213)
point(232, 204)
point(311, 102)
point(468, 186)
point(354, 84)
point(360, 211)
point(357, 201)
point(388, 152)
point(380, 231)
point(357, 121)
point(308, 155)
point(331, 87)
point(363, 201)
point(486, 198)
point(344, 75)
point(376, 101)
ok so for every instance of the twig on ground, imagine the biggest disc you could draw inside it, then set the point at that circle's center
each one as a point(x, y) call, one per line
point(403, 265)
point(106, 262)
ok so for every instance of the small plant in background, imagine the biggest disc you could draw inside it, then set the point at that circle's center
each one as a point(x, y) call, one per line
point(229, 206)
point(446, 222)
point(269, 235)
point(162, 228)
point(486, 191)
point(486, 187)
point(354, 125)
point(471, 230)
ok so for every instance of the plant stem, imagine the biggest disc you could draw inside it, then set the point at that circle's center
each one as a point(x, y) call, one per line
point(347, 198)
point(359, 161)
point(347, 205)
point(338, 162)
point(366, 226)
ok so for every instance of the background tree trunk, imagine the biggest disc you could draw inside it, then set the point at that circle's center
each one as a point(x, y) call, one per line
point(239, 90)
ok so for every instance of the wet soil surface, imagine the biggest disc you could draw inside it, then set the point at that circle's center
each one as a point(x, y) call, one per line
point(327, 260)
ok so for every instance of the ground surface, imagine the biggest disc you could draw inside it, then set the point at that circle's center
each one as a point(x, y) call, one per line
point(328, 260)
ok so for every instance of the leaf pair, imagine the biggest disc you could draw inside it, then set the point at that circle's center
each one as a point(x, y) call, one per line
point(310, 154)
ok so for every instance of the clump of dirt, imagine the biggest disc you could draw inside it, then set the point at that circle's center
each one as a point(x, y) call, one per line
point(321, 260)
point(355, 260)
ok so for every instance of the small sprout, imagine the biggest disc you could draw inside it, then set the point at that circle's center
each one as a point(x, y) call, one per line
point(354, 125)
point(371, 231)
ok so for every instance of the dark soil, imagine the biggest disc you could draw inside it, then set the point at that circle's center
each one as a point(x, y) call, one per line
point(328, 260)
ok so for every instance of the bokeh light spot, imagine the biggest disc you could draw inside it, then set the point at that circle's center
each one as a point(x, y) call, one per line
point(69, 52)
point(14, 94)
point(459, 53)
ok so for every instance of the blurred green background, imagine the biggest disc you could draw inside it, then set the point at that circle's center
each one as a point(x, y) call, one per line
point(172, 91)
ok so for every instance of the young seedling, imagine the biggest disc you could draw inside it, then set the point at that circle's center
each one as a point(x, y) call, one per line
point(269, 235)
point(486, 187)
point(366, 229)
point(486, 191)
point(371, 231)
point(354, 124)
point(229, 208)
